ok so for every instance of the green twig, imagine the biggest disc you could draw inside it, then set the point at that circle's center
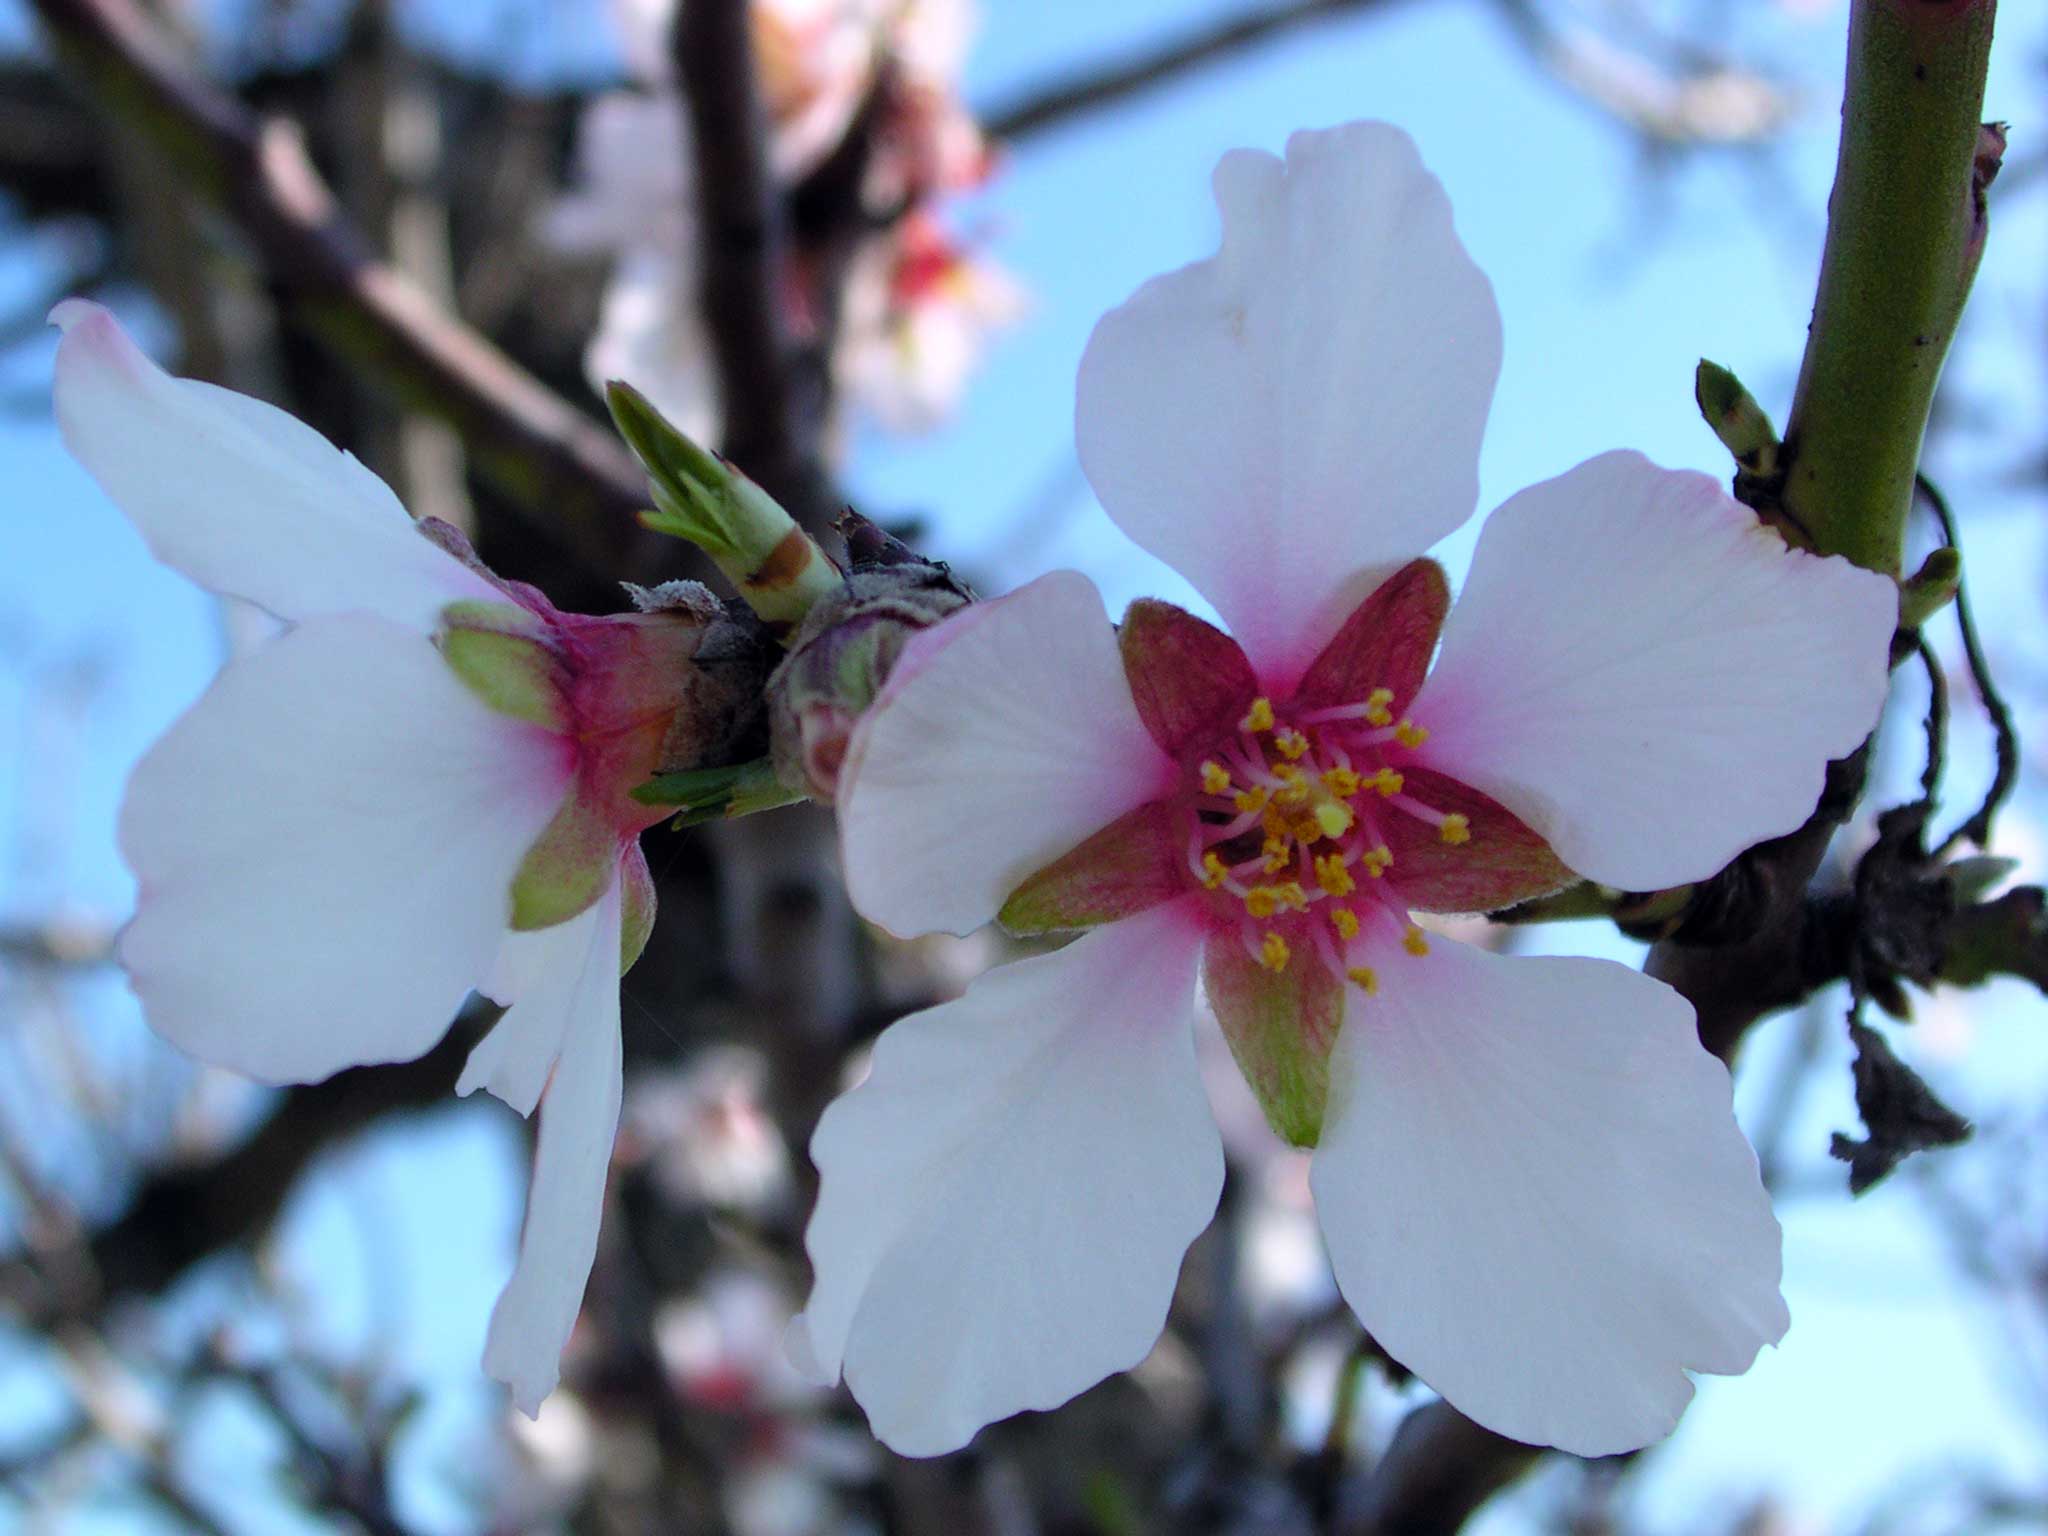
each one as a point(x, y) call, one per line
point(1906, 229)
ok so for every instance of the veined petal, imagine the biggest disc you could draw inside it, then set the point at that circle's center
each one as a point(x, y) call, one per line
point(1648, 676)
point(325, 845)
point(538, 976)
point(242, 497)
point(579, 1120)
point(1007, 1197)
point(1289, 419)
point(1004, 737)
point(1536, 1198)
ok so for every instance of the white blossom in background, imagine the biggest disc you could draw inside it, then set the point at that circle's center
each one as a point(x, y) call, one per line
point(921, 305)
point(419, 787)
point(1526, 1170)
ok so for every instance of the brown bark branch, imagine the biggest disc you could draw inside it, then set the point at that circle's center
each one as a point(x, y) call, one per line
point(563, 471)
point(1435, 1475)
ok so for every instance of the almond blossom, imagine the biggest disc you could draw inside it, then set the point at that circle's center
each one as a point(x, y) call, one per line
point(1527, 1173)
point(420, 788)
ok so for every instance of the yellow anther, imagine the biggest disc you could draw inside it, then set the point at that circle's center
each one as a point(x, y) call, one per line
point(1215, 778)
point(1262, 901)
point(1260, 718)
point(1409, 734)
point(1334, 817)
point(1292, 744)
point(1307, 829)
point(1376, 860)
point(1213, 872)
point(1273, 952)
point(1252, 800)
point(1456, 828)
point(1415, 941)
point(1377, 709)
point(1341, 782)
point(1345, 921)
point(1292, 896)
point(1274, 824)
point(1387, 782)
point(1293, 795)
point(1334, 876)
point(1365, 978)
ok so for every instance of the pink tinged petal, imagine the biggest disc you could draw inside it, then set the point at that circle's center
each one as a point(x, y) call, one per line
point(537, 976)
point(1007, 1197)
point(579, 1119)
point(1134, 864)
point(1288, 419)
point(324, 844)
point(1003, 738)
point(1280, 1027)
point(1536, 1198)
point(1502, 862)
point(241, 497)
point(1648, 676)
point(1190, 681)
point(1385, 643)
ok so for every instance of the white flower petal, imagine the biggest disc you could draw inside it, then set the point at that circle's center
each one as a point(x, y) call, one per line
point(1004, 738)
point(579, 1120)
point(1288, 419)
point(537, 976)
point(1007, 1198)
point(243, 498)
point(1536, 1197)
point(324, 846)
point(1648, 676)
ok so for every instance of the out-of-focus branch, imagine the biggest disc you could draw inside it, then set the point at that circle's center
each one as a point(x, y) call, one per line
point(1047, 106)
point(561, 468)
point(741, 254)
point(1434, 1476)
point(185, 1214)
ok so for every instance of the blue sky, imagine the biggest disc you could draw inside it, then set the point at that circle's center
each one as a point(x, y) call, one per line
point(1613, 282)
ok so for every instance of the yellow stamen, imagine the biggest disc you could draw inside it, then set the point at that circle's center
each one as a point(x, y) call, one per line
point(1456, 828)
point(1345, 921)
point(1213, 872)
point(1293, 795)
point(1387, 782)
point(1341, 782)
point(1260, 716)
point(1365, 978)
point(1415, 941)
point(1376, 706)
point(1292, 895)
point(1376, 861)
point(1252, 800)
point(1307, 829)
point(1262, 901)
point(1409, 734)
point(1334, 817)
point(1215, 778)
point(1334, 876)
point(1292, 744)
point(1273, 952)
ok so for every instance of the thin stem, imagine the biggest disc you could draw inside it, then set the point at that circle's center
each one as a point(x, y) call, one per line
point(2006, 775)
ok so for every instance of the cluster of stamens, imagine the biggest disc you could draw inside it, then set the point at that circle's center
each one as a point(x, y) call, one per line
point(1289, 822)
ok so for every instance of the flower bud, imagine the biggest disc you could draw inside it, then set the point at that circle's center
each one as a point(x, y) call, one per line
point(844, 652)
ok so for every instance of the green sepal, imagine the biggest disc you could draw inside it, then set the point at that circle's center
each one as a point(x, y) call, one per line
point(568, 867)
point(1280, 1027)
point(1131, 865)
point(491, 647)
point(636, 906)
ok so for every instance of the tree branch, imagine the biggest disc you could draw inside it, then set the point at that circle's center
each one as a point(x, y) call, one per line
point(559, 467)
point(1046, 106)
point(1434, 1476)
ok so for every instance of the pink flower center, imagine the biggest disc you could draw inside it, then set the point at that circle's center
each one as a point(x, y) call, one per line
point(1289, 830)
